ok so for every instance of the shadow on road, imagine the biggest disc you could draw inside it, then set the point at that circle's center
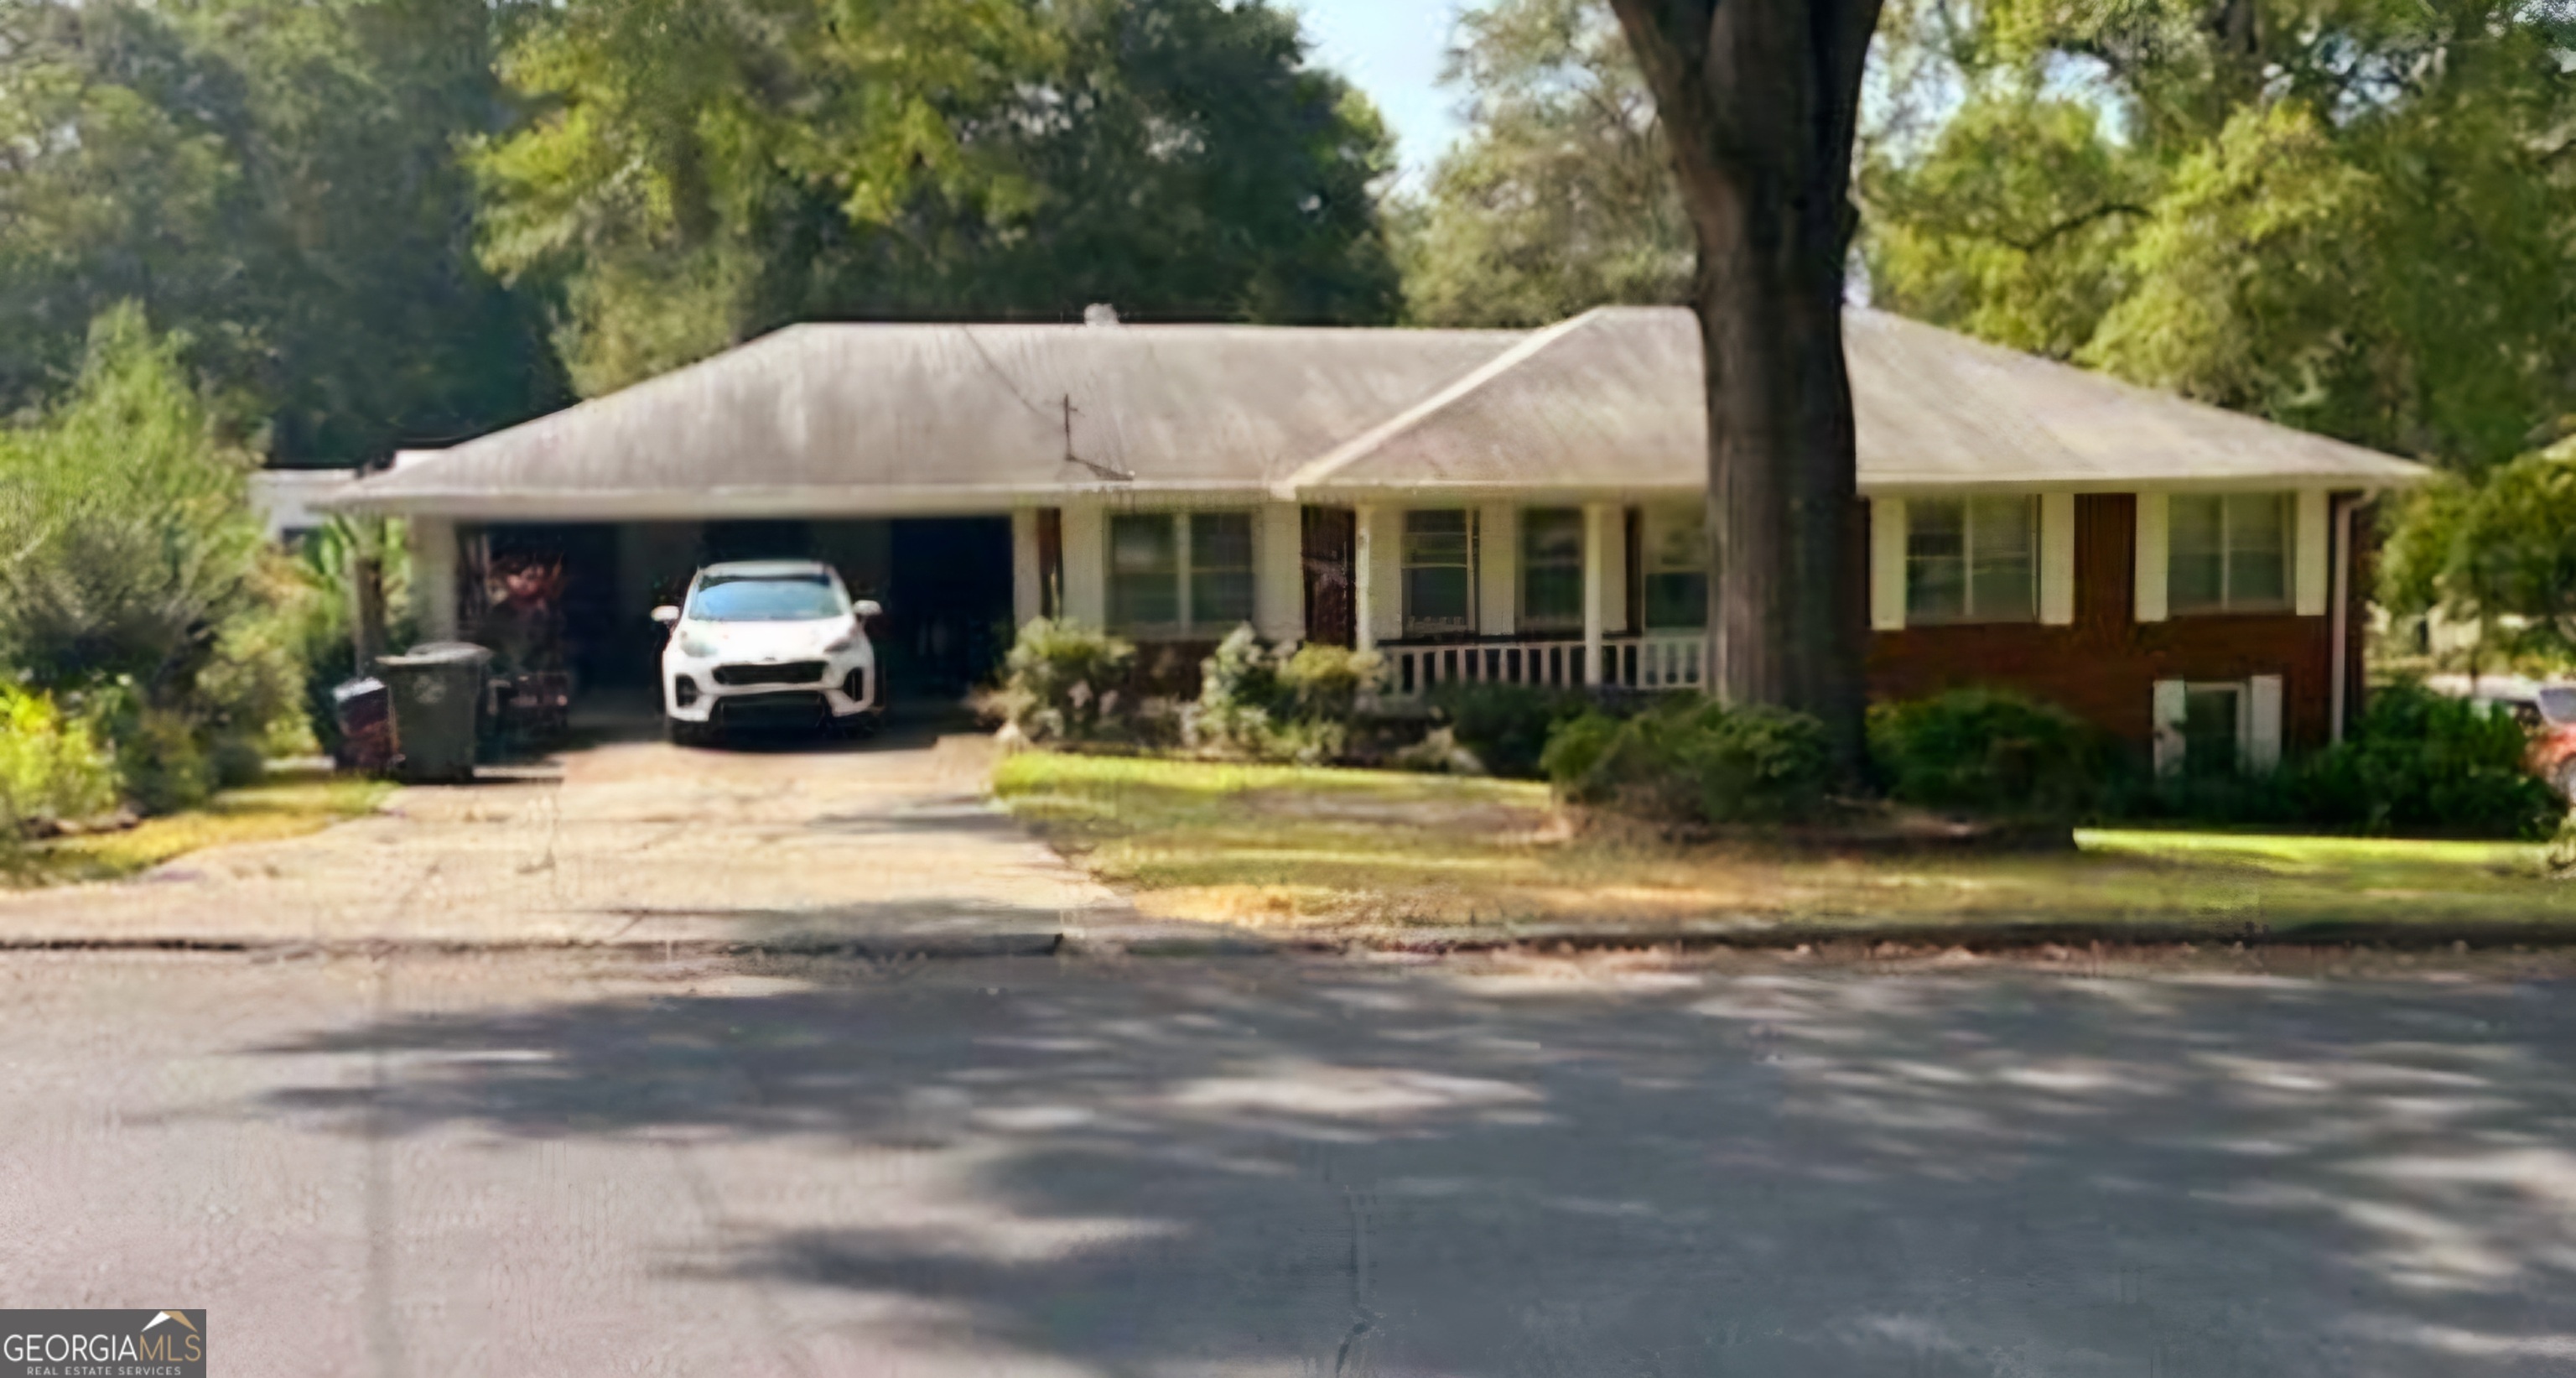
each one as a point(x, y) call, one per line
point(1166, 1168)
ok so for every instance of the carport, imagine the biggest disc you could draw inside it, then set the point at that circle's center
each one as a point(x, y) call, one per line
point(944, 583)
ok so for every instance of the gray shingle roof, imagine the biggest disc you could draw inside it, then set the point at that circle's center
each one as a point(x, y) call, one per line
point(1931, 408)
point(890, 418)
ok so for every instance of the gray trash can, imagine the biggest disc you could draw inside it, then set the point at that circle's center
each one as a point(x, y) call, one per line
point(438, 708)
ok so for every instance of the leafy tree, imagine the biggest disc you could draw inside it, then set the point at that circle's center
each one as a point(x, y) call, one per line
point(126, 542)
point(1760, 102)
point(701, 173)
point(277, 180)
point(1561, 196)
point(2351, 216)
point(2501, 550)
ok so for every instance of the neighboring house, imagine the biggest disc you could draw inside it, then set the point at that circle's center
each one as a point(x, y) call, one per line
point(1474, 504)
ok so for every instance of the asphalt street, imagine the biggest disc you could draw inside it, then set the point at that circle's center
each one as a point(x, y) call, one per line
point(535, 1163)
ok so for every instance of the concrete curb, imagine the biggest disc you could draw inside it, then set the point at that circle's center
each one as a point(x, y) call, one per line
point(1166, 943)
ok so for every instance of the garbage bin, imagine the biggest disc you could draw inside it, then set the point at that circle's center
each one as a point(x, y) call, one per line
point(364, 708)
point(438, 708)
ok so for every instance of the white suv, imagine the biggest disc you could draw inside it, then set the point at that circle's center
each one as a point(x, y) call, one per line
point(774, 642)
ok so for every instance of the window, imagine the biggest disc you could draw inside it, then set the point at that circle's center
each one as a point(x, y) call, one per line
point(1971, 560)
point(2228, 553)
point(1219, 552)
point(1552, 567)
point(1674, 568)
point(1439, 573)
point(1180, 572)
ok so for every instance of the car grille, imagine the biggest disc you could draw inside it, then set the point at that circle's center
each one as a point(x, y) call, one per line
point(793, 672)
point(752, 710)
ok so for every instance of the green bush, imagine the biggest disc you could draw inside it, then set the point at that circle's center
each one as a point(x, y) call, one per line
point(1694, 760)
point(1063, 682)
point(1281, 705)
point(1987, 751)
point(1507, 725)
point(1575, 747)
point(51, 768)
point(2421, 762)
point(1323, 683)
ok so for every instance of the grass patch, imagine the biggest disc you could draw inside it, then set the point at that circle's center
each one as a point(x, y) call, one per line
point(1290, 847)
point(283, 806)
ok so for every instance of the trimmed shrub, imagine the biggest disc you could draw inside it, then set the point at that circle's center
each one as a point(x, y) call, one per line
point(1988, 751)
point(1507, 725)
point(2421, 762)
point(1694, 760)
point(1279, 705)
point(52, 770)
point(1063, 681)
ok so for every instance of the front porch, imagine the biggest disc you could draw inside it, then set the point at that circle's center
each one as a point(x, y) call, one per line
point(1603, 594)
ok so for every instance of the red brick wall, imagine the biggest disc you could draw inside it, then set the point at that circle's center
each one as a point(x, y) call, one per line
point(2105, 665)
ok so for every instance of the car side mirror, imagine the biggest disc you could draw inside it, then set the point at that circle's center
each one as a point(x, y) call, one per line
point(866, 608)
point(666, 614)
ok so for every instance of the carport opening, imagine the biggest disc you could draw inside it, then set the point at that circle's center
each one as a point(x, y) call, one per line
point(579, 596)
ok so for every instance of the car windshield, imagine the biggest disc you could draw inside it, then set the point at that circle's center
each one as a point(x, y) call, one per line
point(768, 598)
point(2558, 704)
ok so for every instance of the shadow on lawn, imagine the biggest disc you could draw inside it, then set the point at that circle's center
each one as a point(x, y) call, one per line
point(1166, 1168)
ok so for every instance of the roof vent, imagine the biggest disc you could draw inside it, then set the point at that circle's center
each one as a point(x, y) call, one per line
point(1100, 313)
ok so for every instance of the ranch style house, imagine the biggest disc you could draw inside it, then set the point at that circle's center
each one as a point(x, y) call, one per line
point(1475, 505)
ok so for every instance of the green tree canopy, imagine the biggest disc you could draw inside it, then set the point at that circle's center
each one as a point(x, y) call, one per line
point(277, 179)
point(2356, 216)
point(700, 172)
point(1560, 197)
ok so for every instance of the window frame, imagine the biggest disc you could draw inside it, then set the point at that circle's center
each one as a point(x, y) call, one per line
point(1569, 621)
point(1185, 571)
point(1970, 612)
point(2229, 601)
point(1416, 626)
point(1655, 524)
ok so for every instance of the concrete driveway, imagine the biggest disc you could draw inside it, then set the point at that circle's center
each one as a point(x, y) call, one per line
point(890, 842)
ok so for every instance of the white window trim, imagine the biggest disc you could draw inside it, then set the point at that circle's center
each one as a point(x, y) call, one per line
point(2295, 557)
point(2056, 559)
point(1403, 586)
point(1188, 628)
point(2259, 702)
point(1586, 547)
point(1888, 530)
point(1968, 565)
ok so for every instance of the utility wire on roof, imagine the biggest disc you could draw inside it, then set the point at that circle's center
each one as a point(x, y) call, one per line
point(1106, 471)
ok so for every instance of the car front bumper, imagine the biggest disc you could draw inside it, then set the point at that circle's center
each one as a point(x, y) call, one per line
point(691, 694)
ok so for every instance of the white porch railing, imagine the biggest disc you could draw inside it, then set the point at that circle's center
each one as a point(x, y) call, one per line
point(1630, 662)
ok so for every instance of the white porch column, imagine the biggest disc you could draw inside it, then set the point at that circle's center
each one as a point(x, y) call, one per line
point(1597, 517)
point(2152, 529)
point(1279, 573)
point(1027, 597)
point(433, 577)
point(1086, 564)
point(1364, 590)
point(1498, 569)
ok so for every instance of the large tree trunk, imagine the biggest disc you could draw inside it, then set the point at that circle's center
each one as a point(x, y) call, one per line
point(1759, 100)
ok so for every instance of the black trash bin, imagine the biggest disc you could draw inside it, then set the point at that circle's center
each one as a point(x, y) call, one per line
point(438, 693)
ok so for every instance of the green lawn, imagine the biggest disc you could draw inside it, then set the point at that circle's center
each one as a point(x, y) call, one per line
point(283, 806)
point(1290, 847)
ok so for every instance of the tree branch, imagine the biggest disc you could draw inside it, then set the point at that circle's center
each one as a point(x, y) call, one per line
point(2071, 224)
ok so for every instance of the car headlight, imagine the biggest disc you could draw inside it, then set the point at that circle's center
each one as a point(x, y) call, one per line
point(696, 647)
point(842, 643)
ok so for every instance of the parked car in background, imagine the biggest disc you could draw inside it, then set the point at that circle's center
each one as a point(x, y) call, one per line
point(2545, 708)
point(768, 643)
